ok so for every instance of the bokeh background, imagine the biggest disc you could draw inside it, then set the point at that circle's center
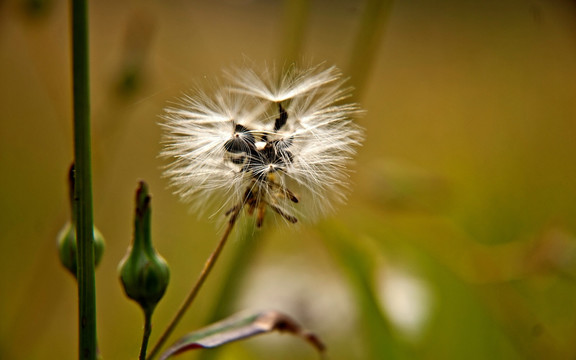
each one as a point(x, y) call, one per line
point(459, 238)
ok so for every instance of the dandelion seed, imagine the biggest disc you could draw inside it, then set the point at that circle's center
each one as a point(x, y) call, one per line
point(266, 140)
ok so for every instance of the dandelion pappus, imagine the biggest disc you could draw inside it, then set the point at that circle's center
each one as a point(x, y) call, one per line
point(263, 138)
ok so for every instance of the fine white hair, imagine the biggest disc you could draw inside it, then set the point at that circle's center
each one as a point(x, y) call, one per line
point(283, 136)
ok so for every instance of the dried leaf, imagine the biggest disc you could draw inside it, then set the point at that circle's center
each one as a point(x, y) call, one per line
point(239, 327)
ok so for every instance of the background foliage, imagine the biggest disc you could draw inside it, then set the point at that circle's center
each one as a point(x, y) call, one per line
point(459, 237)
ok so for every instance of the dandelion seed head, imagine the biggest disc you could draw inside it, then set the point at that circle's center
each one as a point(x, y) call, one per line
point(266, 139)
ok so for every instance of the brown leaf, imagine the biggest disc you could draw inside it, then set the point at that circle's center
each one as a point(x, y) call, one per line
point(240, 327)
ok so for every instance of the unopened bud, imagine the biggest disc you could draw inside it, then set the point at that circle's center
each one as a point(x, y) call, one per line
point(68, 248)
point(143, 272)
point(67, 243)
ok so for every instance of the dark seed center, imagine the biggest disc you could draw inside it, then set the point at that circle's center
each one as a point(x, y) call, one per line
point(274, 155)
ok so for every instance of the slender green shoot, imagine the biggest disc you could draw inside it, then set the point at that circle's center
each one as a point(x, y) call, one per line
point(372, 27)
point(83, 182)
point(146, 335)
point(296, 14)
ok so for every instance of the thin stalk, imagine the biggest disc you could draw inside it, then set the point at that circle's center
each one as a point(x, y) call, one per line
point(197, 285)
point(146, 335)
point(83, 183)
point(249, 236)
point(296, 14)
point(368, 39)
point(380, 342)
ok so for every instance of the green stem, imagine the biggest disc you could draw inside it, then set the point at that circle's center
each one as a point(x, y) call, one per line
point(295, 20)
point(377, 333)
point(368, 39)
point(83, 182)
point(198, 284)
point(146, 335)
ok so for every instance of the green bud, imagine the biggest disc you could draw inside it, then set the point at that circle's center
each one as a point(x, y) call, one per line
point(67, 244)
point(143, 272)
point(68, 250)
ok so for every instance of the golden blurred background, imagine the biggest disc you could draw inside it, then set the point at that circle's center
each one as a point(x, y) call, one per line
point(459, 239)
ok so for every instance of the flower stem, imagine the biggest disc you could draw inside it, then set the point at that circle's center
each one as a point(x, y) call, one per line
point(83, 183)
point(250, 237)
point(368, 40)
point(198, 284)
point(146, 335)
point(296, 14)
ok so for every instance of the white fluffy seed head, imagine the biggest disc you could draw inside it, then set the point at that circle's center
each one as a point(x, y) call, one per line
point(265, 140)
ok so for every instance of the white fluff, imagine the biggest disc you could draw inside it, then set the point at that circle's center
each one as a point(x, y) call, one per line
point(287, 136)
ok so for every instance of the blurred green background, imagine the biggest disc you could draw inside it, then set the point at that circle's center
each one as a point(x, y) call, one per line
point(459, 239)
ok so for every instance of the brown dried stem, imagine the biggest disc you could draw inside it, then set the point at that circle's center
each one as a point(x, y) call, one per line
point(198, 284)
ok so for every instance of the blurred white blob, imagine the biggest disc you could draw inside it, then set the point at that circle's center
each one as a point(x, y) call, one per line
point(406, 299)
point(315, 296)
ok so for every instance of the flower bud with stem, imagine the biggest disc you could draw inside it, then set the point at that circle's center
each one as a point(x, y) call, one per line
point(67, 242)
point(143, 272)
